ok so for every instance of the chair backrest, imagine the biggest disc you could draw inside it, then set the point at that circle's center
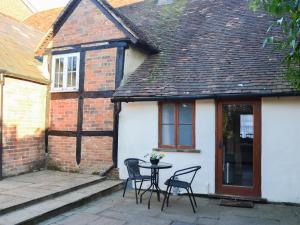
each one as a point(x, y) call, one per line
point(132, 167)
point(190, 170)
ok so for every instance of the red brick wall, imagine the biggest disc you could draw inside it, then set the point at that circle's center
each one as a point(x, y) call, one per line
point(62, 153)
point(63, 114)
point(86, 24)
point(97, 114)
point(100, 70)
point(23, 126)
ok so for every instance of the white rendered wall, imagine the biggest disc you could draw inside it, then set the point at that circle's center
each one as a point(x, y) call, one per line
point(281, 149)
point(138, 135)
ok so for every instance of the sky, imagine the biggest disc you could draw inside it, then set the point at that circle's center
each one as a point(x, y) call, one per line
point(40, 5)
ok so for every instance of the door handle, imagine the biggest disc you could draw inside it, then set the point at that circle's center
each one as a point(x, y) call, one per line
point(221, 144)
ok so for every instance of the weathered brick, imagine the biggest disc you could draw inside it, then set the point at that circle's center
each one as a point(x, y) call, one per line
point(86, 24)
point(23, 126)
point(63, 114)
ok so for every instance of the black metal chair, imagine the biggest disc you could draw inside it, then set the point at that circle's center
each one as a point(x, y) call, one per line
point(173, 182)
point(135, 175)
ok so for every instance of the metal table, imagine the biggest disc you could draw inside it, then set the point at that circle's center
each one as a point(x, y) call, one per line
point(154, 178)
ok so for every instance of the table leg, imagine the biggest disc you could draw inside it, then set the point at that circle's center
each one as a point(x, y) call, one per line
point(153, 185)
point(157, 185)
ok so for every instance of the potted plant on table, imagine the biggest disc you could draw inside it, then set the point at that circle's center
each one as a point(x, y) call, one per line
point(155, 157)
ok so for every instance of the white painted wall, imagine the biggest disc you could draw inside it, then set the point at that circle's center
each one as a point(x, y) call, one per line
point(133, 59)
point(281, 149)
point(138, 135)
point(280, 145)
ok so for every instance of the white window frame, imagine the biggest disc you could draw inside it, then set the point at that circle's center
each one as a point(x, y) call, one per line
point(64, 87)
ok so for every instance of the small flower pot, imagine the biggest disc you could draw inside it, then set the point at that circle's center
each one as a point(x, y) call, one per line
point(154, 161)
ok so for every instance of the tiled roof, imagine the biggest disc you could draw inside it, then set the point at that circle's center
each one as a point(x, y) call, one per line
point(119, 3)
point(15, 8)
point(208, 49)
point(43, 20)
point(17, 43)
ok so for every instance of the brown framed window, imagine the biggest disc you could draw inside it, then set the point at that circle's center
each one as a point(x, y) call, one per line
point(177, 125)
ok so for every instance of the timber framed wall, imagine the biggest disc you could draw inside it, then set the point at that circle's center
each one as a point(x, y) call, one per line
point(84, 124)
point(82, 135)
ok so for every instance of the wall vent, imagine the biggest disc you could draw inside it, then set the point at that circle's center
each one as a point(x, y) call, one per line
point(164, 2)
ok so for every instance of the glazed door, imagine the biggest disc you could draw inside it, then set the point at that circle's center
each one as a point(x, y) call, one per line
point(238, 157)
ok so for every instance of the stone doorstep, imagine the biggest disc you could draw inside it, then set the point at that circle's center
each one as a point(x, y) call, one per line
point(48, 196)
point(48, 208)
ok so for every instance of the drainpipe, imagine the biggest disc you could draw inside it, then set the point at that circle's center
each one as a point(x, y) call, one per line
point(117, 110)
point(1, 122)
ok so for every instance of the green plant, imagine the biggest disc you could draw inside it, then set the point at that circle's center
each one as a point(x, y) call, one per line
point(286, 15)
point(155, 155)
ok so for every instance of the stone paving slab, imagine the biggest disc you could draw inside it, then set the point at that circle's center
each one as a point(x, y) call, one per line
point(30, 214)
point(32, 186)
point(115, 210)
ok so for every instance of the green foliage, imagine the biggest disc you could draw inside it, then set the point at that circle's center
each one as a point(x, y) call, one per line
point(287, 18)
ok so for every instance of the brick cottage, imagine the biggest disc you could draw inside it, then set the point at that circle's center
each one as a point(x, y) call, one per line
point(185, 77)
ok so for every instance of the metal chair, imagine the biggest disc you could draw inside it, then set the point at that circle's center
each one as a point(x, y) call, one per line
point(174, 182)
point(135, 175)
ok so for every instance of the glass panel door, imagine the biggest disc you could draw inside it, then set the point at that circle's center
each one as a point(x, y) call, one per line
point(238, 133)
point(238, 155)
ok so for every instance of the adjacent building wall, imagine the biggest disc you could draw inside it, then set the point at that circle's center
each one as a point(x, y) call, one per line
point(138, 135)
point(24, 105)
point(281, 149)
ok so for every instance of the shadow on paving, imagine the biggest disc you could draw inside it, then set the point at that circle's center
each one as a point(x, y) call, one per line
point(115, 210)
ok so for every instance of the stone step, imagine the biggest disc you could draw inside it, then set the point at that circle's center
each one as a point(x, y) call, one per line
point(39, 198)
point(51, 207)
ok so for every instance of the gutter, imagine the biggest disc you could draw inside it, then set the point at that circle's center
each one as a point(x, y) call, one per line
point(195, 97)
point(42, 81)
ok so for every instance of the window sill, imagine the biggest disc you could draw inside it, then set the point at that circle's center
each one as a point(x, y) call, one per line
point(63, 91)
point(184, 150)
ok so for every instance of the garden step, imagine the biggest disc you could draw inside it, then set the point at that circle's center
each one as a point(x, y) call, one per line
point(51, 207)
point(36, 197)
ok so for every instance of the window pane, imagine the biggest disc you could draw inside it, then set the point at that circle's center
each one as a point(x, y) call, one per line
point(168, 113)
point(58, 75)
point(74, 63)
point(185, 133)
point(168, 134)
point(185, 113)
point(71, 74)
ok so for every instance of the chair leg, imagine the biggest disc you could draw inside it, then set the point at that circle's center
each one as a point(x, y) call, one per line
point(125, 187)
point(190, 199)
point(170, 189)
point(140, 187)
point(193, 197)
point(166, 195)
point(136, 195)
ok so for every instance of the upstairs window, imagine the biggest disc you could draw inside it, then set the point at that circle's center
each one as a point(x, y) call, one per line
point(65, 72)
point(177, 125)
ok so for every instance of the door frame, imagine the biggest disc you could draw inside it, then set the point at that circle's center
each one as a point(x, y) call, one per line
point(255, 190)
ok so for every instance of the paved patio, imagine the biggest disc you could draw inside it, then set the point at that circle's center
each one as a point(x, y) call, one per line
point(115, 210)
point(24, 188)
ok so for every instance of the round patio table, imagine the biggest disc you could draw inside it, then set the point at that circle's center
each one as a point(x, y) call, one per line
point(154, 178)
